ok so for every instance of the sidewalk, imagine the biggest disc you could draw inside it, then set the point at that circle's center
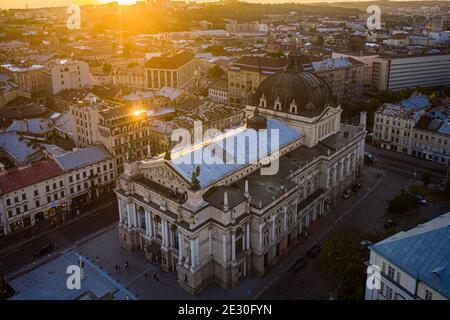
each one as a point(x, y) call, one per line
point(15, 240)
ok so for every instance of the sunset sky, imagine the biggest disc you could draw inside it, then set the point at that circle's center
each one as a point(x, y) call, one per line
point(6, 4)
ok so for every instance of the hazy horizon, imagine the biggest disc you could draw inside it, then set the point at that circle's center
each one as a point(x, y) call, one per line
point(21, 4)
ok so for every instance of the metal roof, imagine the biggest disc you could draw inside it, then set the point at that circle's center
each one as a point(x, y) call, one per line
point(82, 157)
point(18, 147)
point(239, 152)
point(423, 252)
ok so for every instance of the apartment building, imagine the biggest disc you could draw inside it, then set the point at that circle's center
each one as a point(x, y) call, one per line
point(113, 126)
point(133, 77)
point(396, 72)
point(62, 74)
point(367, 59)
point(218, 92)
point(431, 138)
point(394, 124)
point(245, 75)
point(29, 78)
point(54, 188)
point(413, 264)
point(344, 76)
point(174, 69)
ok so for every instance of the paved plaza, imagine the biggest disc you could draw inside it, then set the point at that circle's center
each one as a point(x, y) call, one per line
point(49, 282)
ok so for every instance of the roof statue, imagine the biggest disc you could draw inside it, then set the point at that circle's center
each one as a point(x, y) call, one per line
point(194, 178)
point(131, 152)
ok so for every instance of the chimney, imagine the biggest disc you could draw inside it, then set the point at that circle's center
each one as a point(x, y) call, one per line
point(362, 120)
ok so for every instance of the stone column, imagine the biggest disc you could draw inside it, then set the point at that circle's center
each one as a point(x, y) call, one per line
point(152, 225)
point(224, 248)
point(193, 259)
point(260, 237)
point(180, 247)
point(164, 233)
point(233, 247)
point(273, 228)
point(209, 242)
point(147, 223)
point(285, 209)
point(119, 203)
point(247, 236)
point(130, 214)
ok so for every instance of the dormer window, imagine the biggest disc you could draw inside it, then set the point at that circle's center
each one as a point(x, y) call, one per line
point(293, 107)
point(277, 104)
point(263, 102)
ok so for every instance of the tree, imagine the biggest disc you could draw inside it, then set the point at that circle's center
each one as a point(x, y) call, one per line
point(276, 54)
point(216, 72)
point(342, 259)
point(401, 202)
point(426, 178)
point(320, 40)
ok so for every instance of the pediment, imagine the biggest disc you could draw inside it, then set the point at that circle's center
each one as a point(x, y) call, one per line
point(166, 174)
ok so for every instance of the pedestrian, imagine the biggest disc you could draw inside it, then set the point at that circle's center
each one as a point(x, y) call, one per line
point(116, 267)
point(97, 259)
point(145, 275)
point(126, 265)
point(154, 276)
point(157, 278)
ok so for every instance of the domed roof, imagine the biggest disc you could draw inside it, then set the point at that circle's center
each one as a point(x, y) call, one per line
point(294, 91)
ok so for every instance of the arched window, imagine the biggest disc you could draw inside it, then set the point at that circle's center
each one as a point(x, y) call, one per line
point(262, 102)
point(293, 107)
point(277, 104)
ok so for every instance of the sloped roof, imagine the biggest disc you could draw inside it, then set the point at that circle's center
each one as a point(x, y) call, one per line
point(82, 157)
point(34, 126)
point(240, 153)
point(422, 252)
point(19, 148)
point(20, 178)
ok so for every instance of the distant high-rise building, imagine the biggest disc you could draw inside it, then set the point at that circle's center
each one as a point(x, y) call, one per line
point(396, 72)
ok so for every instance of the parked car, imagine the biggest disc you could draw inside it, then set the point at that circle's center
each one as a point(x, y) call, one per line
point(368, 158)
point(313, 251)
point(356, 187)
point(389, 223)
point(346, 194)
point(365, 243)
point(43, 250)
point(421, 200)
point(299, 264)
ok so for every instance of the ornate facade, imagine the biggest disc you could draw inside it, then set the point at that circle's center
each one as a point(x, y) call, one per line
point(228, 221)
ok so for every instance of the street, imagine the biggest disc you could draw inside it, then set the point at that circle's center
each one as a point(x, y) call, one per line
point(64, 237)
point(366, 212)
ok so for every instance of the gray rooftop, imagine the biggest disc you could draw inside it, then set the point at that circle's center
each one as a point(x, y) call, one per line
point(82, 157)
point(423, 252)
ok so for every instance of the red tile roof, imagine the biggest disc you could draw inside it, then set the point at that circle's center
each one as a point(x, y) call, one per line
point(25, 176)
